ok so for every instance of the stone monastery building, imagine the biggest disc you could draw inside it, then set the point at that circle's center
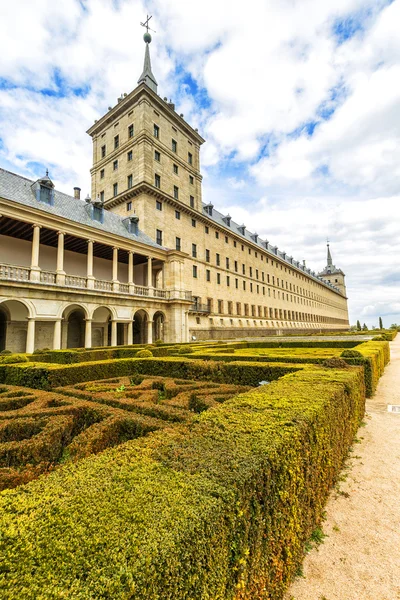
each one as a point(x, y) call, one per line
point(145, 258)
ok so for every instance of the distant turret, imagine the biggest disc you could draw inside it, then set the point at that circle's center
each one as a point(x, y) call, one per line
point(332, 274)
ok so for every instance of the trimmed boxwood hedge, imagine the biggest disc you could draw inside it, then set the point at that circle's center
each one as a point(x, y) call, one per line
point(47, 376)
point(220, 510)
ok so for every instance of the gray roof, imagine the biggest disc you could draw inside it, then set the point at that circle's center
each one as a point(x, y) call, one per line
point(222, 220)
point(19, 189)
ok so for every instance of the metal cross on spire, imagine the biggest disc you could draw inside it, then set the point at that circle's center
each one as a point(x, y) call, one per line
point(146, 24)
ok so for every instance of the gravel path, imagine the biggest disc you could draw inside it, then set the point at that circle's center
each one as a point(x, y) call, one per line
point(360, 557)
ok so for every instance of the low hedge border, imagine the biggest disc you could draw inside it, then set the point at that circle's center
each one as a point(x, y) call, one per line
point(47, 376)
point(221, 509)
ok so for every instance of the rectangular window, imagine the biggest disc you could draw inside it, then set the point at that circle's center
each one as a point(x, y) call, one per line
point(236, 266)
point(217, 235)
point(234, 243)
point(130, 181)
point(157, 181)
point(156, 131)
point(218, 278)
point(130, 131)
point(228, 280)
point(176, 169)
point(195, 271)
point(251, 271)
point(174, 146)
point(178, 243)
point(101, 196)
point(217, 259)
point(194, 250)
point(208, 275)
point(244, 285)
point(251, 287)
point(159, 237)
point(176, 192)
point(193, 222)
point(226, 239)
point(230, 307)
point(238, 308)
point(103, 151)
point(191, 179)
point(116, 142)
point(115, 189)
point(115, 165)
point(158, 205)
point(191, 201)
point(256, 273)
point(157, 156)
point(177, 215)
point(207, 255)
point(102, 174)
point(220, 306)
point(246, 310)
point(236, 283)
point(129, 156)
point(98, 213)
point(227, 262)
point(129, 206)
point(206, 229)
point(243, 270)
point(190, 158)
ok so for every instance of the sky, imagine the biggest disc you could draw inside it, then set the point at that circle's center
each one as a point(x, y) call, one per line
point(299, 101)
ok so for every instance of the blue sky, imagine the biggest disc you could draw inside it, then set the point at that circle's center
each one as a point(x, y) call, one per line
point(298, 100)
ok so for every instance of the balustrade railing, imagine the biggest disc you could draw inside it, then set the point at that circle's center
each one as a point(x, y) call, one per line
point(159, 293)
point(124, 288)
point(101, 284)
point(75, 281)
point(14, 273)
point(47, 277)
point(141, 291)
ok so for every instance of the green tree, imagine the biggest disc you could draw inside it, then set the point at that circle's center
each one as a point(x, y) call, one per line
point(365, 327)
point(358, 325)
point(394, 326)
point(380, 323)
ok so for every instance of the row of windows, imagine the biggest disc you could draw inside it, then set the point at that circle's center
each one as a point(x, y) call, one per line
point(116, 141)
point(174, 143)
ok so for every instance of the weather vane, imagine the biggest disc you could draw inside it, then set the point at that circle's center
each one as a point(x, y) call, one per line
point(146, 24)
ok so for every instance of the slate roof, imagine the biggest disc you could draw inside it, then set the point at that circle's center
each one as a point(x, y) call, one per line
point(18, 189)
point(220, 219)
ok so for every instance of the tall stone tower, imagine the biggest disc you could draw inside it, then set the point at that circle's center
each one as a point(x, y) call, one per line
point(146, 154)
point(332, 274)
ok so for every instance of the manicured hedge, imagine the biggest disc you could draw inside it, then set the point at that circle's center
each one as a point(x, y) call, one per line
point(47, 376)
point(375, 355)
point(218, 510)
point(68, 357)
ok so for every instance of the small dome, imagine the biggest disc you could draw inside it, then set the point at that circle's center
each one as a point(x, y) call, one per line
point(147, 37)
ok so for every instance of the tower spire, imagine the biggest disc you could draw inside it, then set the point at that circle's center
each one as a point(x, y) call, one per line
point(329, 255)
point(147, 76)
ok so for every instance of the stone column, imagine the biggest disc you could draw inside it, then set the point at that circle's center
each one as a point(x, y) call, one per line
point(163, 276)
point(35, 269)
point(131, 273)
point(115, 282)
point(113, 333)
point(150, 275)
point(57, 335)
point(149, 332)
point(88, 333)
point(130, 333)
point(30, 337)
point(60, 276)
point(89, 268)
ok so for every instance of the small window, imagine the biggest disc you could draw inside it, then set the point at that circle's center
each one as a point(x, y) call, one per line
point(46, 194)
point(190, 158)
point(228, 280)
point(156, 131)
point(195, 271)
point(177, 215)
point(217, 259)
point(191, 200)
point(115, 165)
point(97, 214)
point(159, 237)
point(158, 205)
point(176, 192)
point(157, 181)
point(236, 266)
point(208, 275)
point(129, 206)
point(129, 155)
point(130, 181)
point(206, 229)
point(226, 240)
point(227, 262)
point(217, 235)
point(178, 243)
point(198, 321)
point(115, 189)
point(191, 179)
point(218, 278)
point(234, 243)
point(157, 156)
point(193, 222)
point(102, 174)
point(194, 250)
point(207, 255)
point(174, 146)
point(116, 142)
point(236, 283)
point(130, 131)
point(176, 169)
point(103, 151)
point(102, 196)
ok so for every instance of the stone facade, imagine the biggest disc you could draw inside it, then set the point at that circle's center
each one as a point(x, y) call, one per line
point(145, 258)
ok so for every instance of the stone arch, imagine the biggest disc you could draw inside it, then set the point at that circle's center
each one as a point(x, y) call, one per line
point(140, 321)
point(73, 331)
point(14, 315)
point(159, 326)
point(101, 326)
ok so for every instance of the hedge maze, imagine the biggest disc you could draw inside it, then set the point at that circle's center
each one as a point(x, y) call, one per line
point(175, 476)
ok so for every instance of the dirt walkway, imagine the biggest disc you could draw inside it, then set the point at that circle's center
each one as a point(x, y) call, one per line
point(360, 557)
